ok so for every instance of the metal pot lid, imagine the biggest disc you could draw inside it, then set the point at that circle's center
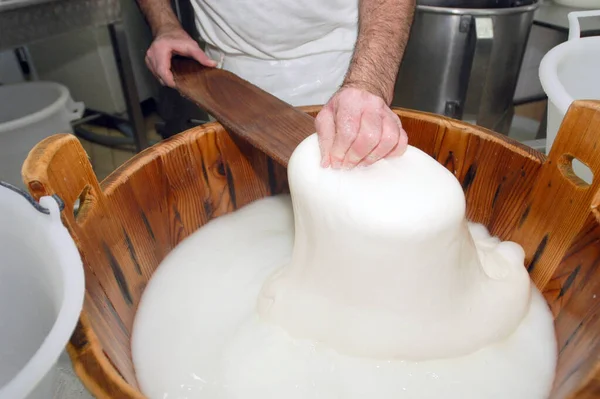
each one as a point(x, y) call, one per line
point(476, 4)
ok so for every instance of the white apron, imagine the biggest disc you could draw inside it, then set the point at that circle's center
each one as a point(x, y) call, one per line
point(297, 50)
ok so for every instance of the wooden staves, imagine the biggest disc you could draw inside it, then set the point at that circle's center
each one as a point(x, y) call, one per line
point(127, 224)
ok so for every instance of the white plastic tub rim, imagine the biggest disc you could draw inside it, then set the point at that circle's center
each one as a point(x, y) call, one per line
point(579, 3)
point(74, 109)
point(71, 267)
point(548, 66)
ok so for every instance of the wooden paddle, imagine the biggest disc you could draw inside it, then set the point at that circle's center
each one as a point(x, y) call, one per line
point(268, 123)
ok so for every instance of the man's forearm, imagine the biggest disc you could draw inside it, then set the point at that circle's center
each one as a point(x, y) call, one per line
point(383, 31)
point(160, 15)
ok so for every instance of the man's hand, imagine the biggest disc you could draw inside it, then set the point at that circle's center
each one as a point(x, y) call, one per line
point(165, 45)
point(357, 128)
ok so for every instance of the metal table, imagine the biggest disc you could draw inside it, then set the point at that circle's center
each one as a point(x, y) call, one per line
point(554, 16)
point(26, 21)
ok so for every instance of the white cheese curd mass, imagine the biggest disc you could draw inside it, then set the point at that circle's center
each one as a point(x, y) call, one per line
point(361, 283)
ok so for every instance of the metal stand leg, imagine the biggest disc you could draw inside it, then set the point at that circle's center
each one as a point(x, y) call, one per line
point(134, 110)
point(541, 134)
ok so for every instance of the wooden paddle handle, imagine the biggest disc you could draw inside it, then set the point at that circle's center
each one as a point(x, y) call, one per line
point(263, 120)
point(547, 226)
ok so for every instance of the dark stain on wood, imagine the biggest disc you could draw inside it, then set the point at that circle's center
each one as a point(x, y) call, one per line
point(469, 177)
point(177, 215)
point(568, 282)
point(450, 161)
point(178, 226)
point(524, 216)
point(574, 370)
point(118, 273)
point(220, 167)
point(204, 172)
point(132, 254)
point(208, 208)
point(147, 224)
point(112, 309)
point(78, 338)
point(573, 334)
point(113, 364)
point(272, 178)
point(538, 253)
point(496, 194)
point(231, 186)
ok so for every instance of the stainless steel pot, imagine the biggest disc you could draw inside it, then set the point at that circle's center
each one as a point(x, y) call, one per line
point(464, 62)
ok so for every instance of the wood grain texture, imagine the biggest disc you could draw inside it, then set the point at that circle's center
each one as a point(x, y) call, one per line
point(559, 192)
point(573, 294)
point(132, 220)
point(268, 123)
point(128, 224)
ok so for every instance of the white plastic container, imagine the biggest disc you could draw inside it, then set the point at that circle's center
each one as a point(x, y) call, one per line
point(592, 4)
point(30, 112)
point(568, 72)
point(41, 293)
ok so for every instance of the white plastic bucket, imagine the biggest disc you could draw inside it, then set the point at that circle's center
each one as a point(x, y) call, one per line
point(30, 112)
point(579, 3)
point(41, 293)
point(568, 72)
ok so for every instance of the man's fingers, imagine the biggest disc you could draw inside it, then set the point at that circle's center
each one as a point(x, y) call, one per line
point(400, 148)
point(347, 124)
point(150, 63)
point(390, 136)
point(358, 128)
point(325, 126)
point(200, 56)
point(367, 139)
point(160, 53)
point(158, 60)
point(163, 67)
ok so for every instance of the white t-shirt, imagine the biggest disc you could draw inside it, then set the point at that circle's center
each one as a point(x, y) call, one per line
point(298, 50)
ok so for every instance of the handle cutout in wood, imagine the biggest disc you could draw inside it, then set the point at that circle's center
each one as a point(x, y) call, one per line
point(59, 165)
point(83, 204)
point(561, 198)
point(576, 171)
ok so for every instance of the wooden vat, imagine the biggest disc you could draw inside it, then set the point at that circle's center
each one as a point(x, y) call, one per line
point(126, 225)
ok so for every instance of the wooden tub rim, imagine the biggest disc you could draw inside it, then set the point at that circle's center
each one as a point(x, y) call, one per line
point(88, 343)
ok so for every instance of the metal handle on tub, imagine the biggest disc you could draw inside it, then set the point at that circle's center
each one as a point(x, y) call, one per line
point(483, 34)
point(574, 27)
point(31, 200)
